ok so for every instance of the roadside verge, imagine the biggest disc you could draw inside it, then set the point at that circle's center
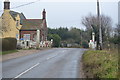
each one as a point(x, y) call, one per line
point(100, 64)
point(19, 53)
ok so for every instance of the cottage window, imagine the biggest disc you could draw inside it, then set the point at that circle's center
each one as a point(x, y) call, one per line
point(26, 37)
point(17, 23)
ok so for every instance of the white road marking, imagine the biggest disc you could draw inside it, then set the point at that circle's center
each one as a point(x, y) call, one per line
point(51, 57)
point(26, 71)
point(32, 68)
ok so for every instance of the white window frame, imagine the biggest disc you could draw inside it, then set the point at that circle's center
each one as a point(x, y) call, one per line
point(26, 37)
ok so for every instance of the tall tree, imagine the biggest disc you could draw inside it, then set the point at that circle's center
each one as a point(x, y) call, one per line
point(91, 24)
point(69, 36)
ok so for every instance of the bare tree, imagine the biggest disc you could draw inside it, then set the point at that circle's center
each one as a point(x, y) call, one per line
point(91, 23)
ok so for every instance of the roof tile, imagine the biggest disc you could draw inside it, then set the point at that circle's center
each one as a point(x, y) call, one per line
point(31, 24)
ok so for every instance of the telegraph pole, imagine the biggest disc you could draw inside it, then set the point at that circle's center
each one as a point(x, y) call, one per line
point(99, 25)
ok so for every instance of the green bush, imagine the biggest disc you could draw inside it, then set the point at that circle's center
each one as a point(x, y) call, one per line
point(56, 39)
point(8, 44)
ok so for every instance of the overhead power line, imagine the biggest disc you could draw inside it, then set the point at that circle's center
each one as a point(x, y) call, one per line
point(23, 5)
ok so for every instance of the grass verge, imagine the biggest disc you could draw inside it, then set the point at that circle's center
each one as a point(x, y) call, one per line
point(8, 52)
point(100, 64)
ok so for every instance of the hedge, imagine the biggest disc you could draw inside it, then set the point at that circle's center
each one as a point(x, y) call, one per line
point(8, 44)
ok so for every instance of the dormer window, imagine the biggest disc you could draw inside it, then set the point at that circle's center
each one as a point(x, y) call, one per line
point(17, 23)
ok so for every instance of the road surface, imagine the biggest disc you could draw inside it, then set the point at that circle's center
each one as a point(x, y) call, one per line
point(53, 63)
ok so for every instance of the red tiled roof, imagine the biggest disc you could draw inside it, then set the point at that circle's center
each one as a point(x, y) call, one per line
point(31, 24)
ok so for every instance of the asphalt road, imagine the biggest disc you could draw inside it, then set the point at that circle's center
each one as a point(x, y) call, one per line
point(53, 63)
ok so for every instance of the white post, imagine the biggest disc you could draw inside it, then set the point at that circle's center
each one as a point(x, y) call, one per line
point(38, 36)
point(93, 36)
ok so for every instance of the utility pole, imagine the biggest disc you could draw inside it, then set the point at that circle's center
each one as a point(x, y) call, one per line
point(99, 25)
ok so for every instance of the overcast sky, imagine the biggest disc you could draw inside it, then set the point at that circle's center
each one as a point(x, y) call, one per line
point(65, 13)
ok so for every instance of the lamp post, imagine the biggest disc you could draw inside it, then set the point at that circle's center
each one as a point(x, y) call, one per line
point(99, 25)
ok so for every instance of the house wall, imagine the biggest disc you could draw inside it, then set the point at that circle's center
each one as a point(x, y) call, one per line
point(8, 27)
point(32, 33)
point(44, 30)
point(18, 27)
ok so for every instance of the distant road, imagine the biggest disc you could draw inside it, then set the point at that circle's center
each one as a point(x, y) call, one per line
point(53, 63)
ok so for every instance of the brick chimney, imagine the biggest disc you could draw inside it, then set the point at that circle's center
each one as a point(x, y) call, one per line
point(6, 4)
point(44, 14)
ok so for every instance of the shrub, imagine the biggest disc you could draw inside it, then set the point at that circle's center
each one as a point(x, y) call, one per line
point(8, 44)
point(56, 39)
